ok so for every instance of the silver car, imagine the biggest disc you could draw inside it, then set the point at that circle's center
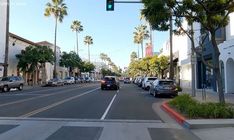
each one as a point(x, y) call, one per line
point(9, 82)
point(163, 87)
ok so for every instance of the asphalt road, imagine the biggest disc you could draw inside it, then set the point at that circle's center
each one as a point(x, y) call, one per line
point(102, 114)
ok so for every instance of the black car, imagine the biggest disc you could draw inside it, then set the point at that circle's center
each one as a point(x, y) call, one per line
point(127, 80)
point(109, 82)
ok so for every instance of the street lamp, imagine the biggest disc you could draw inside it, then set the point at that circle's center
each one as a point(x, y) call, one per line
point(7, 39)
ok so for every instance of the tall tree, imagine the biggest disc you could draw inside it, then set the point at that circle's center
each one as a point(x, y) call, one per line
point(88, 41)
point(34, 57)
point(137, 41)
point(58, 9)
point(77, 27)
point(133, 56)
point(159, 16)
point(141, 33)
point(71, 61)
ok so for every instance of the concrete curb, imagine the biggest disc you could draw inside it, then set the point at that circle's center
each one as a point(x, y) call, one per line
point(179, 118)
point(197, 123)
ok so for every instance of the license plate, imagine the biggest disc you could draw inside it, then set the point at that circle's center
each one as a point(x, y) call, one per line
point(108, 85)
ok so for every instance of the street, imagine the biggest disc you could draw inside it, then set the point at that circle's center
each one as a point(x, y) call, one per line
point(85, 112)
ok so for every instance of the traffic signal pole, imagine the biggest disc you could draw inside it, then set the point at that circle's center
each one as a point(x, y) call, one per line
point(128, 1)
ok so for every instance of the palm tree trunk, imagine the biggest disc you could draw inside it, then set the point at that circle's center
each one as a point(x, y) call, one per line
point(142, 49)
point(77, 43)
point(171, 74)
point(138, 51)
point(55, 49)
point(7, 40)
point(89, 53)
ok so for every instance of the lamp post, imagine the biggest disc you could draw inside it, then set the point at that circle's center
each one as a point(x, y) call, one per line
point(7, 39)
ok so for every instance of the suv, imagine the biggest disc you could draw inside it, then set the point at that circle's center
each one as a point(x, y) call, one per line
point(109, 82)
point(9, 82)
point(147, 82)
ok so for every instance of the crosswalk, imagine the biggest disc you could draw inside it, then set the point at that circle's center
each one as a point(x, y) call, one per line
point(78, 129)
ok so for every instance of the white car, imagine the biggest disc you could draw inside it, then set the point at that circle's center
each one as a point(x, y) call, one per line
point(69, 80)
point(147, 82)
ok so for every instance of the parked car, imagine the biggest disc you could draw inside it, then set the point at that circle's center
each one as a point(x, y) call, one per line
point(9, 82)
point(163, 87)
point(147, 82)
point(139, 82)
point(109, 82)
point(55, 82)
point(69, 80)
point(127, 80)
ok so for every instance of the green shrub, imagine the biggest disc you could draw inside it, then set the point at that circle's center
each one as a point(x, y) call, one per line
point(193, 109)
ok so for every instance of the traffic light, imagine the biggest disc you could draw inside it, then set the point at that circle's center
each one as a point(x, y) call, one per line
point(110, 5)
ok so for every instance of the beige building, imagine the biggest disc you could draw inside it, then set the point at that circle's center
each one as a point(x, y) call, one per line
point(16, 45)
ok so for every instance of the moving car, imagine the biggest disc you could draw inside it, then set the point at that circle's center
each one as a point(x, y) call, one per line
point(127, 80)
point(109, 82)
point(163, 87)
point(9, 82)
point(55, 82)
point(69, 80)
point(147, 82)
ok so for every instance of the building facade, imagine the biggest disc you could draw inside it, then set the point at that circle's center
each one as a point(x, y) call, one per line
point(62, 72)
point(227, 57)
point(3, 25)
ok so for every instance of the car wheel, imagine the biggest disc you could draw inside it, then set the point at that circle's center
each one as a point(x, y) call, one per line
point(5, 89)
point(147, 88)
point(20, 87)
point(102, 88)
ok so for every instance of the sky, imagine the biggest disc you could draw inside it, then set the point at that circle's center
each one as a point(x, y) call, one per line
point(112, 32)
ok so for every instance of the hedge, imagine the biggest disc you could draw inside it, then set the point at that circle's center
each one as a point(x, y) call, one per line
point(193, 109)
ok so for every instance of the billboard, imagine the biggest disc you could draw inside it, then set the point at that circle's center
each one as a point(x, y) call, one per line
point(148, 50)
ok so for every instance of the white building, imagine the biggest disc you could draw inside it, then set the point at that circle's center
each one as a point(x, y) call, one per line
point(61, 71)
point(3, 23)
point(227, 57)
point(182, 55)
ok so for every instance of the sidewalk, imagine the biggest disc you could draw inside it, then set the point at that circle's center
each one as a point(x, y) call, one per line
point(211, 96)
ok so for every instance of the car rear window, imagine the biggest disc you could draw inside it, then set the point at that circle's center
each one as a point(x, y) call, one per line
point(152, 79)
point(166, 82)
point(109, 79)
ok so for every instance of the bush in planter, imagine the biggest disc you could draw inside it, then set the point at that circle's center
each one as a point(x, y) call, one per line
point(193, 109)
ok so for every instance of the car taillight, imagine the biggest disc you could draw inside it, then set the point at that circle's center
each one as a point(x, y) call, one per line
point(103, 82)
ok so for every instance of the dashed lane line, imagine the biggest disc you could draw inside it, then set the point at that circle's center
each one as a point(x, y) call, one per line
point(37, 97)
point(57, 103)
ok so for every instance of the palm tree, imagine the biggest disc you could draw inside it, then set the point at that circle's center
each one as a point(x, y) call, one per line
point(77, 27)
point(58, 9)
point(88, 41)
point(137, 41)
point(141, 33)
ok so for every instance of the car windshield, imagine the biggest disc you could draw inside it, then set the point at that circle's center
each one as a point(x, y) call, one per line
point(166, 83)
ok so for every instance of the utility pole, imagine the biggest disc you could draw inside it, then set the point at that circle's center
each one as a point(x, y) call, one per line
point(7, 39)
point(171, 76)
point(193, 59)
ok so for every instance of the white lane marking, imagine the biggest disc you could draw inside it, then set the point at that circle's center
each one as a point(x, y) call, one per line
point(56, 104)
point(37, 97)
point(108, 108)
